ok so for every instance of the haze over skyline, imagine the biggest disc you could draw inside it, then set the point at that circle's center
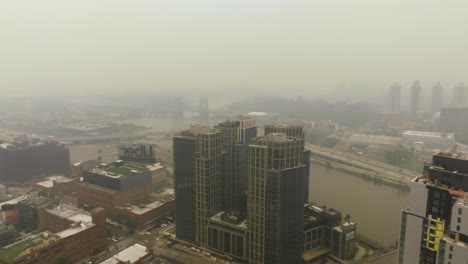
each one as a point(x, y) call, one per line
point(290, 47)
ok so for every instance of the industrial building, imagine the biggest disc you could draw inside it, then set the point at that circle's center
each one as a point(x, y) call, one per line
point(434, 229)
point(26, 159)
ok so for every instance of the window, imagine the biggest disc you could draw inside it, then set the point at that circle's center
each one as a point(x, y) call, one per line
point(450, 256)
point(451, 248)
point(458, 220)
point(459, 211)
point(458, 228)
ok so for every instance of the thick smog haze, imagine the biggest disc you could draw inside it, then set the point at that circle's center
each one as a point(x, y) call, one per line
point(168, 47)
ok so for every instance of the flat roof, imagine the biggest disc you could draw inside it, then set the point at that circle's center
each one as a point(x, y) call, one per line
point(15, 201)
point(428, 134)
point(156, 166)
point(314, 253)
point(217, 217)
point(80, 218)
point(131, 254)
point(49, 182)
point(27, 245)
point(121, 171)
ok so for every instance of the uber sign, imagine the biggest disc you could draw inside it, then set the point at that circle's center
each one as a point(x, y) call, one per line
point(137, 152)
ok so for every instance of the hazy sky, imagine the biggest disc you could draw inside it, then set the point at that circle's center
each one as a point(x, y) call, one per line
point(295, 47)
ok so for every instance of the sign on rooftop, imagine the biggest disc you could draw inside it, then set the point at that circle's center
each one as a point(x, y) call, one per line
point(143, 153)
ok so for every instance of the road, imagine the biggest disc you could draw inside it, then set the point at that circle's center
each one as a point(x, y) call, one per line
point(362, 162)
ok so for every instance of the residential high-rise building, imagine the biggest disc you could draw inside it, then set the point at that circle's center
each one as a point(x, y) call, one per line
point(435, 227)
point(394, 98)
point(243, 195)
point(437, 97)
point(197, 181)
point(275, 202)
point(203, 112)
point(295, 131)
point(236, 134)
point(415, 98)
point(460, 95)
point(454, 120)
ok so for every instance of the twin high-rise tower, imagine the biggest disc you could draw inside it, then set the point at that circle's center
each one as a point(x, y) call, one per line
point(240, 194)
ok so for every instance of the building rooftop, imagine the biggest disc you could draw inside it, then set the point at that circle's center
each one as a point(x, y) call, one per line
point(117, 171)
point(155, 167)
point(428, 134)
point(221, 217)
point(49, 181)
point(81, 219)
point(27, 245)
point(129, 255)
point(15, 200)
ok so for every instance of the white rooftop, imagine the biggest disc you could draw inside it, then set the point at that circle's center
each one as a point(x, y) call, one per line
point(428, 134)
point(154, 167)
point(131, 254)
point(81, 219)
point(14, 201)
point(78, 227)
point(49, 182)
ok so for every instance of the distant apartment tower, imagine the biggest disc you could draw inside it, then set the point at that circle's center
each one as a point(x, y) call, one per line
point(178, 110)
point(460, 95)
point(454, 120)
point(197, 181)
point(275, 199)
point(435, 227)
point(294, 131)
point(437, 98)
point(203, 112)
point(394, 98)
point(236, 134)
point(415, 98)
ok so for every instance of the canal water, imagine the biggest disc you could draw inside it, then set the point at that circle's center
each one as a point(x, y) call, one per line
point(375, 208)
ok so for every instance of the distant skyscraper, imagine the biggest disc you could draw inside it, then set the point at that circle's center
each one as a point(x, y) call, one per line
point(197, 181)
point(435, 228)
point(415, 98)
point(275, 199)
point(460, 95)
point(236, 134)
point(203, 112)
point(394, 98)
point(437, 97)
point(455, 120)
point(178, 110)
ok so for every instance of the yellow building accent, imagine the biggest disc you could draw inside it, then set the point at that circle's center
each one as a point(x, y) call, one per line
point(435, 230)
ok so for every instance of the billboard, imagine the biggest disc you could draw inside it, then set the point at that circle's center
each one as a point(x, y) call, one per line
point(143, 153)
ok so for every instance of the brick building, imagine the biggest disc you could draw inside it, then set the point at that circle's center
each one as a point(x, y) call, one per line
point(69, 233)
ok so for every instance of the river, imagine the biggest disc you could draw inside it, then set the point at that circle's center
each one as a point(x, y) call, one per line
point(375, 208)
